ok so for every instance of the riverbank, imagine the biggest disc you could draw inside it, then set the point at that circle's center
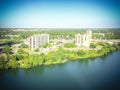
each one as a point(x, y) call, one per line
point(57, 56)
point(89, 54)
point(95, 73)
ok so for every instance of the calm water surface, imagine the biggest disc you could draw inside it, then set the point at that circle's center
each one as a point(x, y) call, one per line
point(102, 73)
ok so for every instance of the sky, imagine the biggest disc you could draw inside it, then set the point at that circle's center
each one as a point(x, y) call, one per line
point(59, 13)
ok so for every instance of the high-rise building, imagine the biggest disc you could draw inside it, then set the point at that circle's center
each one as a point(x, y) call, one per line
point(83, 40)
point(36, 41)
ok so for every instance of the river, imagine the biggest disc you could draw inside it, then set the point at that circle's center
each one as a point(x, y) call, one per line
point(101, 73)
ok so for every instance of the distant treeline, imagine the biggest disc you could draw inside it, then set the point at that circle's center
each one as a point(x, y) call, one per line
point(59, 33)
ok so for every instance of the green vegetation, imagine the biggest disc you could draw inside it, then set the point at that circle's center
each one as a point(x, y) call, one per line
point(19, 57)
point(24, 46)
point(23, 59)
point(21, 51)
point(93, 45)
point(58, 33)
point(46, 45)
point(7, 50)
point(36, 50)
point(70, 45)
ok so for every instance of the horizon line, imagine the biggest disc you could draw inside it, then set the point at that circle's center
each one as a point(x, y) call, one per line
point(58, 28)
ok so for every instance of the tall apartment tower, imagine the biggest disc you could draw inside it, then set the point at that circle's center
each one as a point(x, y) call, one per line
point(83, 40)
point(36, 41)
point(89, 33)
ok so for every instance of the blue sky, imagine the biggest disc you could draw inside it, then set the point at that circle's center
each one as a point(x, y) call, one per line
point(60, 13)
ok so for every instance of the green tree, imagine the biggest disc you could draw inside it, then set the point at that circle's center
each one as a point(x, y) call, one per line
point(19, 57)
point(36, 50)
point(69, 45)
point(11, 64)
point(80, 53)
point(24, 46)
point(92, 45)
point(7, 50)
point(21, 51)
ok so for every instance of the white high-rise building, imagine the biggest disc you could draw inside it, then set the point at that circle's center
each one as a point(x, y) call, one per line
point(36, 41)
point(83, 40)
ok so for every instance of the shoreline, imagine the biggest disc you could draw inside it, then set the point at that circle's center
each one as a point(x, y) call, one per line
point(64, 61)
point(58, 56)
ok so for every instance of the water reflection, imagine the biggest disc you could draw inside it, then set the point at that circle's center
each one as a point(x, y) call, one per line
point(86, 74)
point(34, 70)
point(13, 72)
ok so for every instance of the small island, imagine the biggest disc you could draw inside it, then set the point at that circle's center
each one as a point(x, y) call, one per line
point(26, 48)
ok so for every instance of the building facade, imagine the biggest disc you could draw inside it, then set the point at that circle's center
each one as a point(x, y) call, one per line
point(38, 40)
point(83, 40)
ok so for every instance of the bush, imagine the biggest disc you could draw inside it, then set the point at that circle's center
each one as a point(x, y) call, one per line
point(46, 45)
point(36, 50)
point(69, 45)
point(7, 50)
point(19, 57)
point(92, 45)
point(80, 52)
point(20, 51)
point(24, 46)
